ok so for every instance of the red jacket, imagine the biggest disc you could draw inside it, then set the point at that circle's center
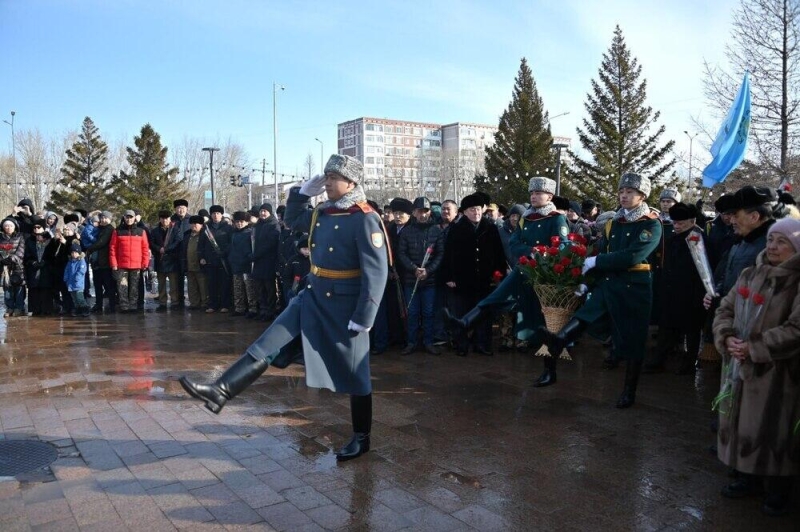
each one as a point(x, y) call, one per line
point(129, 248)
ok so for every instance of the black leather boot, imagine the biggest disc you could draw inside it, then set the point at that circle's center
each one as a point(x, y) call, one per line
point(547, 377)
point(236, 378)
point(361, 413)
point(557, 342)
point(632, 372)
point(469, 320)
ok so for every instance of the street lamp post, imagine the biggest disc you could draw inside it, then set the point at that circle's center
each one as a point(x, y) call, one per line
point(321, 160)
point(691, 140)
point(558, 147)
point(14, 154)
point(211, 170)
point(275, 88)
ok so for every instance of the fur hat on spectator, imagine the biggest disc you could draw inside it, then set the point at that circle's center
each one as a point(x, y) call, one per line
point(472, 200)
point(180, 203)
point(216, 208)
point(241, 216)
point(402, 205)
point(682, 211)
point(196, 219)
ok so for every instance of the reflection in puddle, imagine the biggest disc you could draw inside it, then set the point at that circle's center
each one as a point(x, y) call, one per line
point(464, 480)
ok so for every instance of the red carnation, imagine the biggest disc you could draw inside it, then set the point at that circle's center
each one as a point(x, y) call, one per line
point(523, 260)
point(555, 241)
point(694, 238)
point(541, 250)
point(429, 250)
point(558, 268)
point(532, 263)
point(576, 272)
point(744, 292)
point(552, 251)
point(579, 250)
point(296, 277)
point(758, 299)
point(565, 261)
point(497, 276)
point(571, 237)
point(580, 239)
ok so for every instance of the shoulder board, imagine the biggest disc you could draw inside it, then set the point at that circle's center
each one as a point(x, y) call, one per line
point(651, 216)
point(362, 206)
point(555, 213)
point(534, 217)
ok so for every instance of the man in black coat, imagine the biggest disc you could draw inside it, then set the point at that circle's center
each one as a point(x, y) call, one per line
point(104, 285)
point(413, 246)
point(682, 313)
point(266, 243)
point(472, 253)
point(216, 245)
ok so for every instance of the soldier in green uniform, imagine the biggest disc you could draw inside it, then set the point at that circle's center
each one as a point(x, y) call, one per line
point(621, 299)
point(537, 226)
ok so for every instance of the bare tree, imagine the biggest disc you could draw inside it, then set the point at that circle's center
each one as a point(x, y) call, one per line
point(765, 40)
point(39, 161)
point(309, 165)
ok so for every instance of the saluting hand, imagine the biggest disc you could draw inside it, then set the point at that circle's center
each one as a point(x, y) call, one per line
point(314, 186)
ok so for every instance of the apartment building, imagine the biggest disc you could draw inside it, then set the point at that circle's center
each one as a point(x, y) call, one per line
point(403, 158)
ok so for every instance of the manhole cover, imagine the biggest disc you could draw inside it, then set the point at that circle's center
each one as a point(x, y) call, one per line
point(21, 456)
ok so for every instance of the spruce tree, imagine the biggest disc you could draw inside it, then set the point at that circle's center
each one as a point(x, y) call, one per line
point(522, 147)
point(152, 184)
point(84, 183)
point(617, 133)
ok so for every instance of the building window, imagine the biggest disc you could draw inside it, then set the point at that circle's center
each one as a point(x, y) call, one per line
point(370, 149)
point(370, 127)
point(370, 160)
point(379, 138)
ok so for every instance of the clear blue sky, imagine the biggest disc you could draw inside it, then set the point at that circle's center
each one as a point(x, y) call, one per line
point(205, 68)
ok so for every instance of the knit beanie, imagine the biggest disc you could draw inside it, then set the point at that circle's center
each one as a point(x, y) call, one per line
point(790, 228)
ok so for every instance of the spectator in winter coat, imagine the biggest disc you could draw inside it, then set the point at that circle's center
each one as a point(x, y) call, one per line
point(165, 266)
point(74, 278)
point(39, 262)
point(51, 219)
point(216, 244)
point(267, 237)
point(23, 213)
point(298, 268)
point(191, 253)
point(174, 246)
point(104, 285)
point(128, 256)
point(240, 258)
point(415, 241)
point(63, 241)
point(12, 255)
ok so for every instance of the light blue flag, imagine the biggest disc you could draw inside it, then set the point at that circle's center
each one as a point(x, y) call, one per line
point(730, 145)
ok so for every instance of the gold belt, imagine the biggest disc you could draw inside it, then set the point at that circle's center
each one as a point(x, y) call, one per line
point(335, 274)
point(640, 268)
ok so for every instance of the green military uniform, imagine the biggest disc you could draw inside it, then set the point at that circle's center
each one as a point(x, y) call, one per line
point(620, 302)
point(515, 293)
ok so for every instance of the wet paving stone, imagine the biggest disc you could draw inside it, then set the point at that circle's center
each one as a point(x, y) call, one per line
point(457, 443)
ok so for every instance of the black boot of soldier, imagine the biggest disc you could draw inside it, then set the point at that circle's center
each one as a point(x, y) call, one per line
point(548, 376)
point(557, 342)
point(361, 414)
point(632, 372)
point(469, 320)
point(236, 378)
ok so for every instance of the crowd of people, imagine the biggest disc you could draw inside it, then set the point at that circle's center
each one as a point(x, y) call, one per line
point(451, 274)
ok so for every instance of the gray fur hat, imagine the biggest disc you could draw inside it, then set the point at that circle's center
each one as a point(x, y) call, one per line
point(542, 184)
point(346, 166)
point(671, 193)
point(632, 180)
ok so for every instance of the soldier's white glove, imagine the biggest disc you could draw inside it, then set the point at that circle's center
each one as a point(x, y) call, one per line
point(357, 328)
point(588, 264)
point(582, 289)
point(314, 186)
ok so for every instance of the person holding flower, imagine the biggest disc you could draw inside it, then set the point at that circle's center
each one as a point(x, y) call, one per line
point(620, 301)
point(757, 330)
point(540, 225)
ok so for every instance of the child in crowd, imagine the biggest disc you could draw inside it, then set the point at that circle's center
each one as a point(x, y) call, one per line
point(298, 267)
point(74, 277)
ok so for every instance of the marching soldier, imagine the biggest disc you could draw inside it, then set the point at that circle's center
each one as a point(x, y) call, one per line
point(538, 225)
point(621, 300)
point(329, 321)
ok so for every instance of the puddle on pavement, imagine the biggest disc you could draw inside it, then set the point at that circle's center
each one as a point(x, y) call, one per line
point(457, 478)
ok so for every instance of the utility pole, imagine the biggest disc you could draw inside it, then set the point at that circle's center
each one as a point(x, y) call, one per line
point(691, 141)
point(275, 87)
point(558, 148)
point(211, 168)
point(14, 154)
